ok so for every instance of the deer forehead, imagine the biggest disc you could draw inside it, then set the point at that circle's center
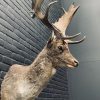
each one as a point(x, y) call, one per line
point(58, 42)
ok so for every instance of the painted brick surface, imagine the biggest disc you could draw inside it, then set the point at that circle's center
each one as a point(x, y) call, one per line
point(22, 38)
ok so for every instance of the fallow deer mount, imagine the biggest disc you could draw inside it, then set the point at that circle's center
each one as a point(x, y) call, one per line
point(27, 82)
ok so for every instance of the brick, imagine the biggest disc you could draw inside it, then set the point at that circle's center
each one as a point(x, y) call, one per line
point(11, 47)
point(50, 95)
point(25, 3)
point(9, 20)
point(23, 31)
point(19, 34)
point(34, 49)
point(22, 4)
point(1, 58)
point(24, 54)
point(6, 12)
point(56, 86)
point(33, 42)
point(9, 39)
point(53, 90)
point(28, 62)
point(12, 11)
point(15, 4)
point(28, 3)
point(2, 74)
point(2, 36)
point(6, 60)
point(57, 79)
point(19, 23)
point(25, 43)
point(6, 24)
point(18, 57)
point(8, 33)
point(4, 67)
point(9, 3)
point(27, 25)
point(15, 62)
point(1, 42)
point(29, 38)
point(3, 3)
point(18, 45)
point(58, 83)
point(5, 52)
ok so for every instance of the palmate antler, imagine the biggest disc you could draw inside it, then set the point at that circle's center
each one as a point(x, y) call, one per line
point(61, 25)
point(64, 21)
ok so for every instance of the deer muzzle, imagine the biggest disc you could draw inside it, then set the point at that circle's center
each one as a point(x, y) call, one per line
point(73, 63)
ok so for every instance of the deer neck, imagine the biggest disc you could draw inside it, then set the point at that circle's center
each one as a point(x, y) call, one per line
point(42, 65)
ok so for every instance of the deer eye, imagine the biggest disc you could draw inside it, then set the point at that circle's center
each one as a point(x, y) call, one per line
point(60, 48)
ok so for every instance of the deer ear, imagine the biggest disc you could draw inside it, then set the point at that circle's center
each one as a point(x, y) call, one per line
point(50, 41)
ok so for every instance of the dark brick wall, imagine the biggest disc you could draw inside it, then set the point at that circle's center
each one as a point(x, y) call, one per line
point(22, 38)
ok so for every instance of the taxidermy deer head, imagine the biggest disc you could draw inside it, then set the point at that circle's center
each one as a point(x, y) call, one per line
point(27, 82)
point(58, 43)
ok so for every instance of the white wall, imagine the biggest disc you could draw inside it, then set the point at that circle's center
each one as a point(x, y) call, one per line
point(84, 81)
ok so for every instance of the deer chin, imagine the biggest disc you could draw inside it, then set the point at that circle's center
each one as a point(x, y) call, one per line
point(70, 66)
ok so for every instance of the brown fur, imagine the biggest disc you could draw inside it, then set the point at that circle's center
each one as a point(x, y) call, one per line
point(26, 82)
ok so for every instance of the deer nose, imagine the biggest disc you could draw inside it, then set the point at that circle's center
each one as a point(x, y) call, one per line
point(76, 63)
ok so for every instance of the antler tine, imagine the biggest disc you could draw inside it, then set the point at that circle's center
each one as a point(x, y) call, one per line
point(76, 42)
point(64, 21)
point(73, 36)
